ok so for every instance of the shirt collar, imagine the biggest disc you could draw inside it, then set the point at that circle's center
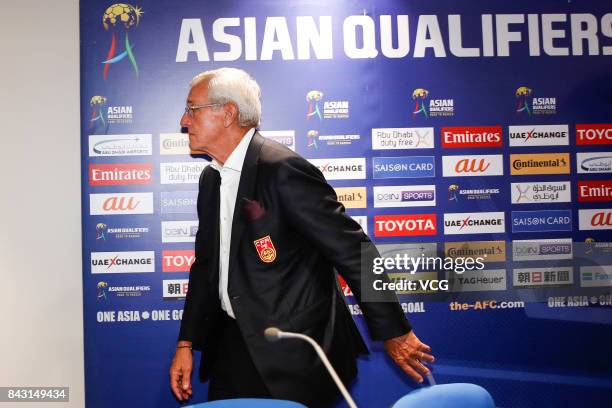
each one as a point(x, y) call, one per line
point(236, 157)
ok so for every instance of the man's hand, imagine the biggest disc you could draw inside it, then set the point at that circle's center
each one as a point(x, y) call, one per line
point(408, 352)
point(180, 372)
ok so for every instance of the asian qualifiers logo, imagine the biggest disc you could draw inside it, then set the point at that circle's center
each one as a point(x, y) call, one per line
point(101, 232)
point(97, 119)
point(419, 96)
point(102, 295)
point(117, 15)
point(522, 93)
point(312, 139)
point(453, 190)
point(313, 98)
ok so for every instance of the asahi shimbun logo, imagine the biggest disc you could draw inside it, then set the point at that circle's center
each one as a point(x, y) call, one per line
point(474, 223)
point(322, 109)
point(431, 107)
point(284, 137)
point(594, 162)
point(314, 139)
point(473, 165)
point(538, 135)
point(539, 105)
point(175, 288)
point(552, 276)
point(541, 192)
point(119, 19)
point(402, 138)
point(600, 134)
point(457, 194)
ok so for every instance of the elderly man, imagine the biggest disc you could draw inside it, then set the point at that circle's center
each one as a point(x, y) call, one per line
point(271, 233)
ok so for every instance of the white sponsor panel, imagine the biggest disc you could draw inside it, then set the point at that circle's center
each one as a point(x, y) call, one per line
point(175, 288)
point(120, 145)
point(284, 137)
point(542, 249)
point(174, 143)
point(551, 276)
point(477, 280)
point(404, 196)
point(596, 219)
point(473, 165)
point(402, 138)
point(541, 192)
point(594, 162)
point(341, 168)
point(596, 276)
point(411, 250)
point(179, 231)
point(538, 135)
point(120, 203)
point(474, 223)
point(181, 172)
point(122, 262)
point(363, 221)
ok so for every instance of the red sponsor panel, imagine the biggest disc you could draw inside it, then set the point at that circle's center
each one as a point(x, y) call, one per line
point(600, 134)
point(405, 225)
point(471, 136)
point(594, 190)
point(177, 260)
point(118, 173)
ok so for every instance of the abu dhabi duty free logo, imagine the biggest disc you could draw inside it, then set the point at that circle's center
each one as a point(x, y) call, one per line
point(119, 19)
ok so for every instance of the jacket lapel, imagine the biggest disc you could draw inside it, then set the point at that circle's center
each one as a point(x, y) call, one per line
point(246, 188)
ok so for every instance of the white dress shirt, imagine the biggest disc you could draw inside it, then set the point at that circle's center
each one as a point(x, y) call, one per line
point(230, 179)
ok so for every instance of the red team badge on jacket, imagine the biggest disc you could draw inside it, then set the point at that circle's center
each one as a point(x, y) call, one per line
point(265, 249)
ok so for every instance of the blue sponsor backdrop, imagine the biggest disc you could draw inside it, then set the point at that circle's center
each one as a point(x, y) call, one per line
point(330, 72)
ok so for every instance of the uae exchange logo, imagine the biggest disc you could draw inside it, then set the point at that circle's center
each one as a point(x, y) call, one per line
point(419, 96)
point(522, 93)
point(97, 104)
point(117, 15)
point(313, 98)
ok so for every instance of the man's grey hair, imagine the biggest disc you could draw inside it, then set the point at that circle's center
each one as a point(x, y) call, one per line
point(237, 86)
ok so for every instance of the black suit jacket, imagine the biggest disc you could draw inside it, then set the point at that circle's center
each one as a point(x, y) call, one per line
point(298, 290)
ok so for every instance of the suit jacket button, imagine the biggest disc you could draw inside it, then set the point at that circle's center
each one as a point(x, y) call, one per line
point(235, 297)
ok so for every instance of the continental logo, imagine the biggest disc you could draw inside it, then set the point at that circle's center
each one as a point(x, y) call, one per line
point(491, 251)
point(540, 163)
point(352, 197)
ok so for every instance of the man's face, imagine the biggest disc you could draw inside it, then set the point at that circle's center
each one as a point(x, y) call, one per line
point(205, 126)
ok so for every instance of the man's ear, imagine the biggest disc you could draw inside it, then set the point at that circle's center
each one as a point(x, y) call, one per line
point(231, 114)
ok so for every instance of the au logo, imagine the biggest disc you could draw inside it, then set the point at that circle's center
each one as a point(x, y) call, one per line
point(522, 93)
point(419, 96)
point(116, 16)
point(265, 249)
point(313, 98)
